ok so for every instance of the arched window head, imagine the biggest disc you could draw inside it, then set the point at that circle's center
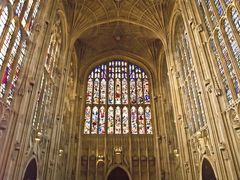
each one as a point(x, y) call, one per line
point(118, 100)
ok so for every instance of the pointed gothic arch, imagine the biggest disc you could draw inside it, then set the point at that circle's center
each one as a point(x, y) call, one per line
point(118, 171)
point(207, 170)
point(30, 172)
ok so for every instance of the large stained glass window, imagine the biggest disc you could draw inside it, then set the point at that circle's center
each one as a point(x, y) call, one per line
point(118, 100)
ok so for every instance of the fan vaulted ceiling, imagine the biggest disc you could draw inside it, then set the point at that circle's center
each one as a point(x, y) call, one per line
point(100, 27)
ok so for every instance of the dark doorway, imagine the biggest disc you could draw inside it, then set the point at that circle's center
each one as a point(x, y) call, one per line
point(31, 171)
point(207, 171)
point(118, 174)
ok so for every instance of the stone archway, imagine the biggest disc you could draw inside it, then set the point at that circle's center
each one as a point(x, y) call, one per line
point(207, 171)
point(31, 171)
point(118, 174)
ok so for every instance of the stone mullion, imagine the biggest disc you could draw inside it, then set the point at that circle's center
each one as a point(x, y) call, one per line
point(46, 104)
point(216, 67)
point(179, 65)
point(237, 3)
point(224, 64)
point(31, 11)
point(43, 104)
point(38, 105)
point(192, 102)
point(215, 11)
point(197, 103)
point(187, 55)
point(56, 56)
point(199, 100)
point(230, 52)
point(24, 8)
point(8, 53)
point(6, 30)
point(14, 69)
point(224, 5)
point(183, 66)
point(206, 12)
point(53, 57)
point(106, 102)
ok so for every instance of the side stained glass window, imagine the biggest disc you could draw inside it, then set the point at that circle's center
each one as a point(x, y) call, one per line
point(13, 43)
point(187, 81)
point(224, 43)
point(118, 100)
point(49, 86)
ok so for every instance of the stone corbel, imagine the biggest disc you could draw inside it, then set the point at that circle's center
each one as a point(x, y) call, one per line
point(218, 92)
point(199, 28)
point(177, 74)
point(223, 149)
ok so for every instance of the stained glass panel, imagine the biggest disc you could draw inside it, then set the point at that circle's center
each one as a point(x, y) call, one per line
point(3, 19)
point(89, 91)
point(134, 120)
point(133, 92)
point(125, 120)
point(148, 120)
point(111, 91)
point(6, 42)
point(19, 7)
point(102, 116)
point(236, 18)
point(232, 41)
point(211, 13)
point(8, 69)
point(219, 7)
point(139, 91)
point(118, 123)
point(96, 92)
point(141, 120)
point(103, 92)
point(228, 62)
point(26, 13)
point(94, 120)
point(110, 120)
point(118, 91)
point(124, 91)
point(17, 72)
point(87, 120)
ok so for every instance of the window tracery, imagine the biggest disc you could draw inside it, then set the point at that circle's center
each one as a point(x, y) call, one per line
point(126, 107)
point(224, 43)
point(188, 81)
point(48, 83)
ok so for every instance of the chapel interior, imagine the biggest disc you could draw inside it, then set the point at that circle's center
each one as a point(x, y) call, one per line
point(119, 89)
